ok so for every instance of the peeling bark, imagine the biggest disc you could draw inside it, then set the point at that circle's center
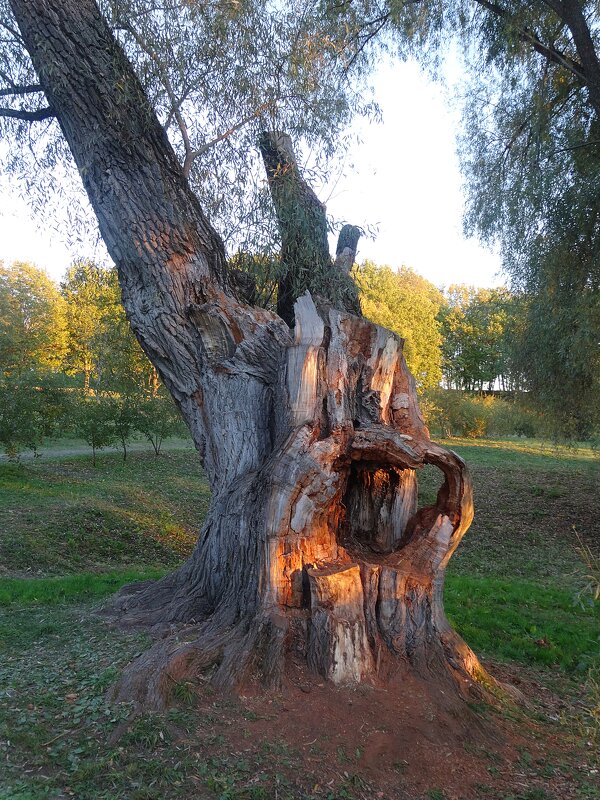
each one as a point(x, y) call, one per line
point(311, 440)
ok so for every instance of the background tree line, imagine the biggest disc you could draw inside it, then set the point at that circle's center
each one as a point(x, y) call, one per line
point(219, 74)
point(69, 364)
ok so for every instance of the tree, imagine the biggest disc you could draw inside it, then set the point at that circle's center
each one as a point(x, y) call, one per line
point(553, 351)
point(478, 329)
point(305, 259)
point(124, 419)
point(90, 293)
point(530, 152)
point(295, 427)
point(404, 302)
point(32, 321)
point(32, 346)
point(218, 74)
point(157, 418)
point(100, 344)
point(97, 423)
point(29, 412)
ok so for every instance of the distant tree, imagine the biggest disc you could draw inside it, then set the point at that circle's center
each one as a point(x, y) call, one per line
point(530, 154)
point(125, 419)
point(32, 321)
point(157, 418)
point(557, 350)
point(30, 412)
point(478, 330)
point(407, 304)
point(101, 346)
point(91, 294)
point(122, 365)
point(94, 422)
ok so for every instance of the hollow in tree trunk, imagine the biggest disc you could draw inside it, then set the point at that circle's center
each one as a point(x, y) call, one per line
point(314, 553)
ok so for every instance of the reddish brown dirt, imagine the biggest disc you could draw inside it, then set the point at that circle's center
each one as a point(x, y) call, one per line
point(405, 742)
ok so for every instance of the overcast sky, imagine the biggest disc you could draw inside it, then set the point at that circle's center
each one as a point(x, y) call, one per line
point(403, 179)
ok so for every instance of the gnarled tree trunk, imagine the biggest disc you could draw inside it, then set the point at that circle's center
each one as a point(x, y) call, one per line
point(313, 549)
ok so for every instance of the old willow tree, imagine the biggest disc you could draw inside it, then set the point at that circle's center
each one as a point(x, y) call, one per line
point(314, 554)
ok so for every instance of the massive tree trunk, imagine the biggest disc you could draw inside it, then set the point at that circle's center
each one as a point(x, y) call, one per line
point(314, 551)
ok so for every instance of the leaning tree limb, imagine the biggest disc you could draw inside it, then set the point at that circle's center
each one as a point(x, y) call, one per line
point(314, 547)
point(305, 259)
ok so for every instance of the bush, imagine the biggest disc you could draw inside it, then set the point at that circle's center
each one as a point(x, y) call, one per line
point(31, 409)
point(95, 422)
point(449, 412)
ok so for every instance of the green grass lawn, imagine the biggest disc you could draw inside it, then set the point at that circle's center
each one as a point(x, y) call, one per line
point(65, 516)
point(71, 534)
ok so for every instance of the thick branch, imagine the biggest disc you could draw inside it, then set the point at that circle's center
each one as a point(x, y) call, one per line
point(347, 245)
point(301, 218)
point(306, 262)
point(530, 37)
point(571, 13)
point(28, 116)
point(171, 262)
point(19, 90)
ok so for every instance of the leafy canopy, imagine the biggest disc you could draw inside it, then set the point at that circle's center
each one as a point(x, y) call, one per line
point(217, 73)
point(407, 304)
point(32, 320)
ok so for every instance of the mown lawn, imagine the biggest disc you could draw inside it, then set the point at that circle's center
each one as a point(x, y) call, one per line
point(84, 531)
point(60, 516)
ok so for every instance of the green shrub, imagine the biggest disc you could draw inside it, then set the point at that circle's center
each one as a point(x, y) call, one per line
point(95, 422)
point(449, 412)
point(31, 410)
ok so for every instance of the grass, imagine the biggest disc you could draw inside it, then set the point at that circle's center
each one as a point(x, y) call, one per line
point(530, 499)
point(521, 621)
point(504, 619)
point(68, 589)
point(526, 454)
point(60, 737)
point(82, 532)
point(67, 516)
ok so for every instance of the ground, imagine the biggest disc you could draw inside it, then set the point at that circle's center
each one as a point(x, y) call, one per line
point(512, 592)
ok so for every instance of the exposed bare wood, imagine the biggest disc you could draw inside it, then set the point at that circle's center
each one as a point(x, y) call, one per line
point(337, 642)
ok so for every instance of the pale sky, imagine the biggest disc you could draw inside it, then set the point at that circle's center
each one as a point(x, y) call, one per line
point(404, 179)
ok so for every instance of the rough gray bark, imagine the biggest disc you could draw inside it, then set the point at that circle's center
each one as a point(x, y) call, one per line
point(311, 441)
point(306, 263)
point(347, 245)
